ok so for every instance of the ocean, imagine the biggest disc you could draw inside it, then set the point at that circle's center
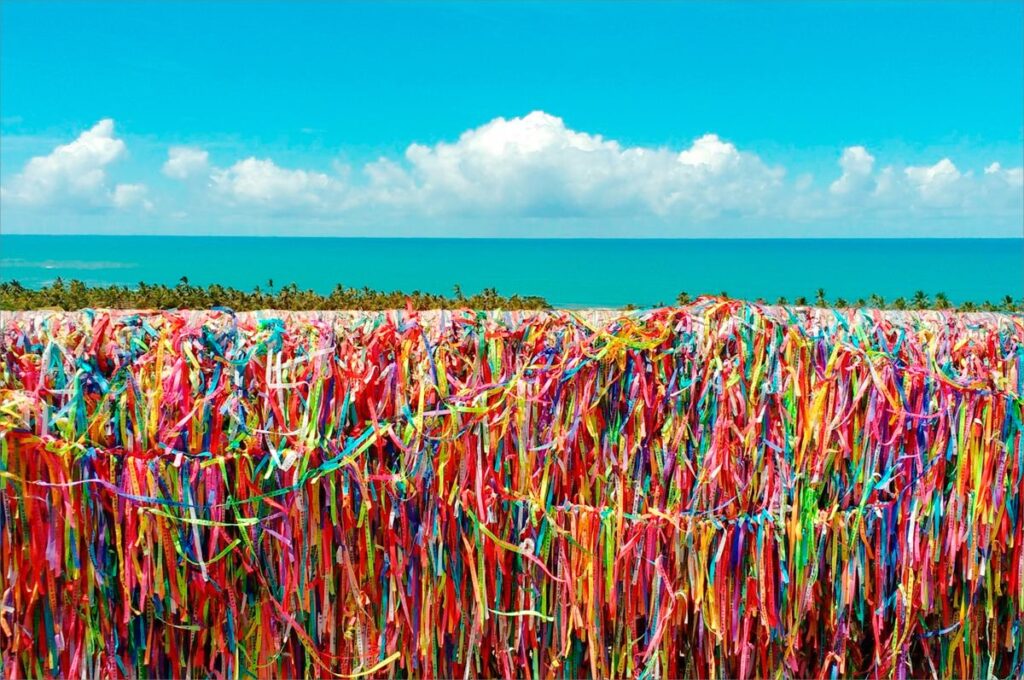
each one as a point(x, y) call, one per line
point(567, 272)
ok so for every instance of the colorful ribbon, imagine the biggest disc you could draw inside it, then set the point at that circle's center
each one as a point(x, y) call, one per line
point(722, 489)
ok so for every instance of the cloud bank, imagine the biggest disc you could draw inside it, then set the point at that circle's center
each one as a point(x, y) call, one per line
point(534, 169)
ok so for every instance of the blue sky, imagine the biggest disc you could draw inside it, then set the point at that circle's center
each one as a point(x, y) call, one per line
point(519, 119)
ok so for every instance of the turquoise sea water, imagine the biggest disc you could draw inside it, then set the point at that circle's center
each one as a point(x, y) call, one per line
point(570, 273)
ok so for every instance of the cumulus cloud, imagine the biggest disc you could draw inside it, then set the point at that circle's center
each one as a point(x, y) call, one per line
point(73, 173)
point(262, 183)
point(1014, 177)
point(937, 190)
point(535, 166)
point(131, 196)
point(935, 184)
point(857, 165)
point(1002, 189)
point(513, 171)
point(710, 153)
point(184, 162)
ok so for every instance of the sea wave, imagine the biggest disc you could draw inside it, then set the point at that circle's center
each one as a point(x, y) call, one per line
point(87, 265)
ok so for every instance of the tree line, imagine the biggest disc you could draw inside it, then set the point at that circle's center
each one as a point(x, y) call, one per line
point(919, 300)
point(78, 295)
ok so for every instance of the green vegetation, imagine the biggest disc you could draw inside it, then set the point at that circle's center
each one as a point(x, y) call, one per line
point(77, 295)
point(920, 300)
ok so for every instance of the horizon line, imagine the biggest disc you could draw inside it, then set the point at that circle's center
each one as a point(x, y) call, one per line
point(981, 237)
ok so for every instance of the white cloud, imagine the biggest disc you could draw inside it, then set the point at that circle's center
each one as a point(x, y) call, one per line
point(521, 172)
point(262, 183)
point(710, 153)
point(1012, 176)
point(184, 162)
point(939, 191)
point(935, 184)
point(1001, 190)
point(535, 166)
point(73, 173)
point(514, 169)
point(857, 165)
point(131, 196)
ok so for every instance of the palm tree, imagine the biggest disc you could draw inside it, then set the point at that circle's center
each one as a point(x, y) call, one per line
point(78, 295)
point(819, 298)
point(75, 295)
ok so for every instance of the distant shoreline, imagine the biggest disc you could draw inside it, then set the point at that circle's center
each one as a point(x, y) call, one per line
point(76, 295)
point(375, 237)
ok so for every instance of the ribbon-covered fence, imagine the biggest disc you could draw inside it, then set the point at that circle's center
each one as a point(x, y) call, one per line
point(717, 490)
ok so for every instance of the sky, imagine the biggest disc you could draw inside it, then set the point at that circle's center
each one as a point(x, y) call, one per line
point(527, 119)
